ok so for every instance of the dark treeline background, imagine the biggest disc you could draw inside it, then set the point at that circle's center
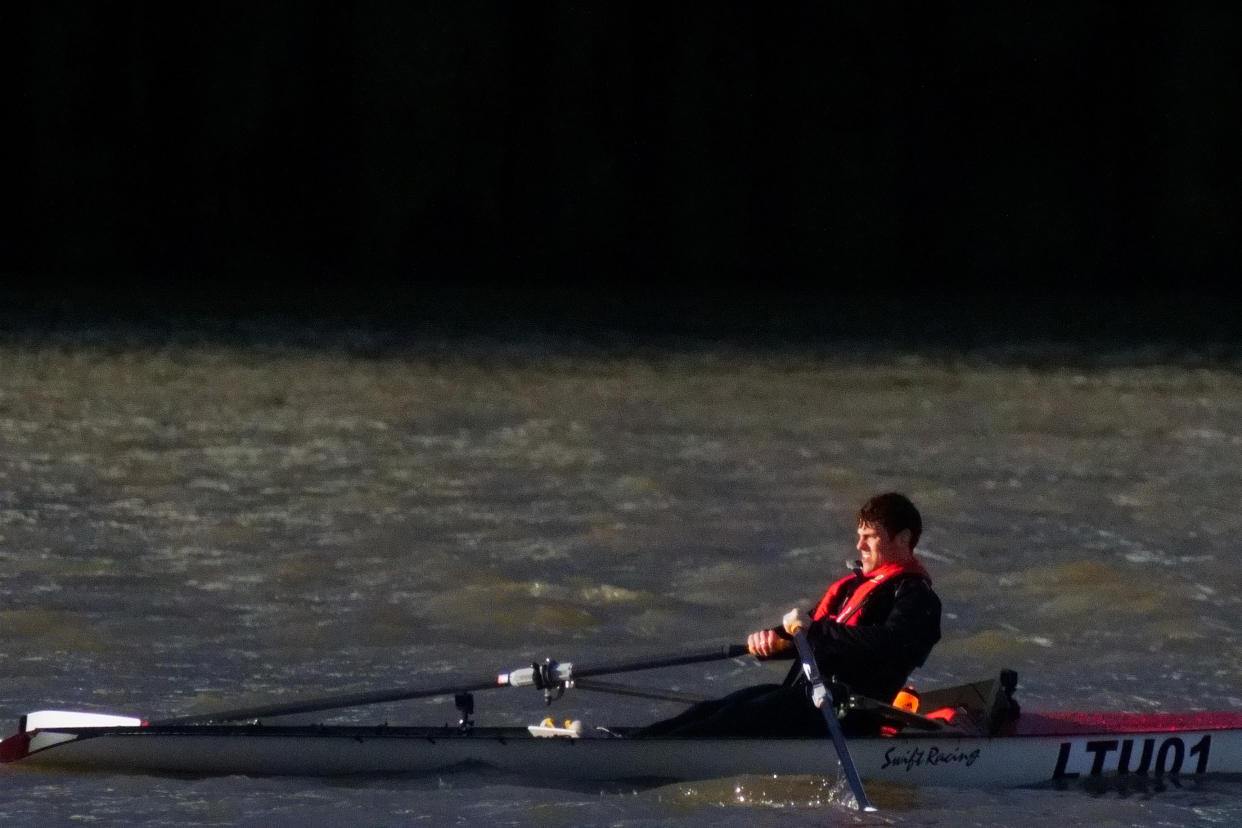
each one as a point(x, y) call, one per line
point(789, 165)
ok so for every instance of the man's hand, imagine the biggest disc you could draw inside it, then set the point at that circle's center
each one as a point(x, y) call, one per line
point(795, 620)
point(766, 643)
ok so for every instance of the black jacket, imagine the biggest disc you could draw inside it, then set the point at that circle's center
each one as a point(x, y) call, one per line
point(896, 630)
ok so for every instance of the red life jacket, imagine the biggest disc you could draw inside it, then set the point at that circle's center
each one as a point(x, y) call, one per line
point(848, 612)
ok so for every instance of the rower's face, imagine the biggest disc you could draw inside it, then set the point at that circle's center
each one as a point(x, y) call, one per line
point(876, 547)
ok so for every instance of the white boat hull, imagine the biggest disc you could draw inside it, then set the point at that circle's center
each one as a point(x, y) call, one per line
point(1023, 759)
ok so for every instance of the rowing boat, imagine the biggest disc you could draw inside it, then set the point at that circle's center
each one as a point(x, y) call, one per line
point(1057, 748)
point(981, 739)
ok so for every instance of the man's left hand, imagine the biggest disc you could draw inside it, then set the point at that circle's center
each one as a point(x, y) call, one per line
point(795, 620)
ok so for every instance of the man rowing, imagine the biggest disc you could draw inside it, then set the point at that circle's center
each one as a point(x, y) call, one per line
point(871, 629)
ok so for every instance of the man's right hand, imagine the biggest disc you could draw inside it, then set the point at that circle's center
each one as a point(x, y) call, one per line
point(766, 643)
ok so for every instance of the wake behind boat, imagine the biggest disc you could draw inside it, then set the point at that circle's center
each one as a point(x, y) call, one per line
point(972, 735)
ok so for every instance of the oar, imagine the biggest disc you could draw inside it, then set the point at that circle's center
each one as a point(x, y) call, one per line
point(820, 695)
point(545, 676)
point(638, 692)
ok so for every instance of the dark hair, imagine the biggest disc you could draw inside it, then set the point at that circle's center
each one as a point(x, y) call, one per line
point(894, 512)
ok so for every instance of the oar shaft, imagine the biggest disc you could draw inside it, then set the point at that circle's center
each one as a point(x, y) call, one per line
point(824, 700)
point(638, 692)
point(715, 654)
point(328, 703)
point(518, 678)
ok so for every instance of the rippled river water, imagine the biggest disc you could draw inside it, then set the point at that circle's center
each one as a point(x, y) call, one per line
point(187, 526)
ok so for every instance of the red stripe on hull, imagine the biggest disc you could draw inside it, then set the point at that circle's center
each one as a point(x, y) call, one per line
point(1070, 723)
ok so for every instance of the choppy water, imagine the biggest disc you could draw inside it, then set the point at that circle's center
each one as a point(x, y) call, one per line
point(187, 526)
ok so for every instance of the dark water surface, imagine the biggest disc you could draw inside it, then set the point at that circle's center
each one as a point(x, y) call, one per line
point(190, 526)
